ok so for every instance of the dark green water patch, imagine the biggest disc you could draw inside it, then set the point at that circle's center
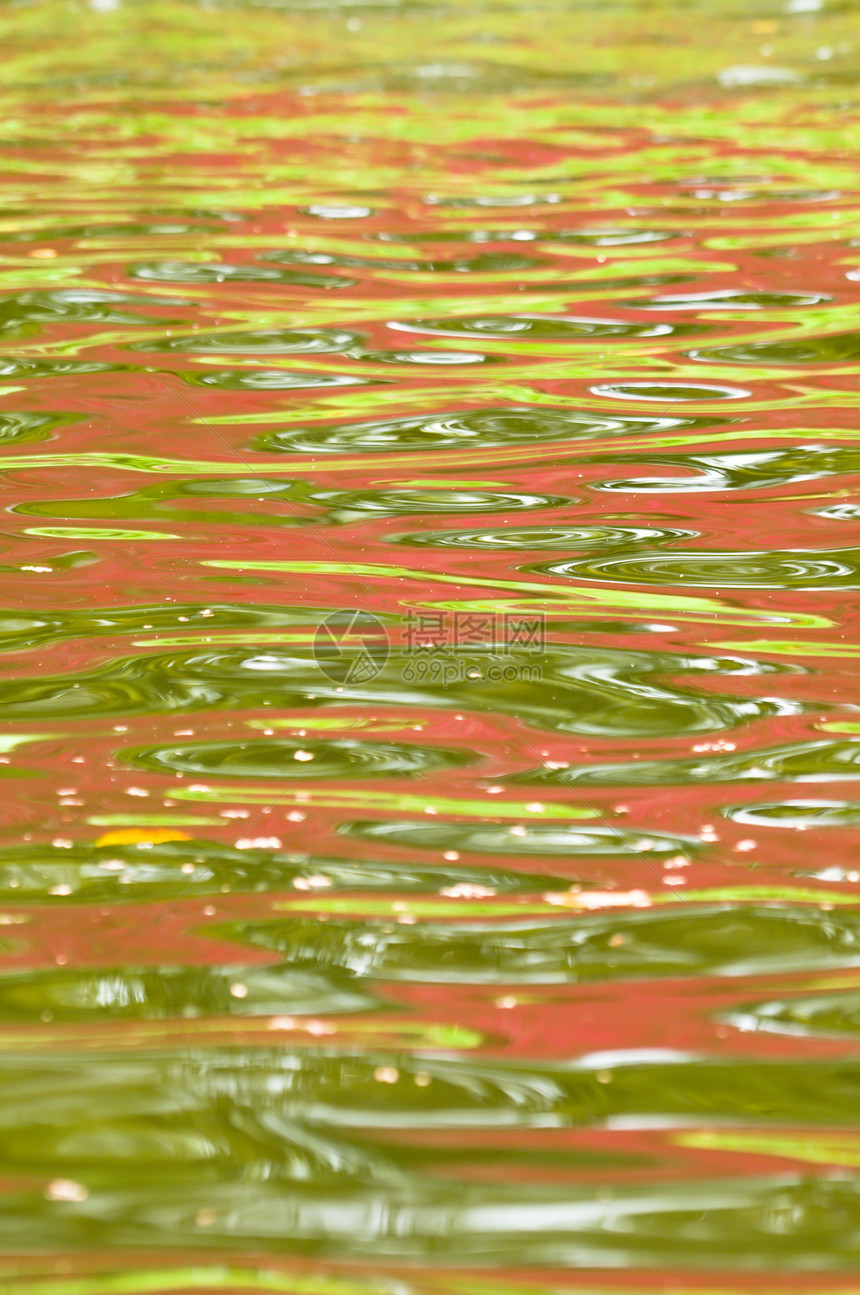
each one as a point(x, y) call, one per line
point(596, 691)
point(268, 379)
point(730, 299)
point(812, 761)
point(20, 630)
point(222, 272)
point(162, 502)
point(246, 1131)
point(64, 994)
point(23, 313)
point(529, 839)
point(676, 941)
point(833, 1016)
point(260, 341)
point(25, 427)
point(833, 348)
point(796, 814)
point(19, 367)
point(786, 569)
point(347, 505)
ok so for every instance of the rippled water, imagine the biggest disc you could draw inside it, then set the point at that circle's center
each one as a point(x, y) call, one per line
point(428, 596)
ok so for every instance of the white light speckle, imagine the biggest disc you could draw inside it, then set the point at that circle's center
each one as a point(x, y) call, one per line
point(65, 1189)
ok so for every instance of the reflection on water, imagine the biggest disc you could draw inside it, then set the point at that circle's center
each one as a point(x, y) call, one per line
point(455, 945)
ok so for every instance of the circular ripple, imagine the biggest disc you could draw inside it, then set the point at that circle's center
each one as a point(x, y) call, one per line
point(738, 470)
point(471, 427)
point(534, 838)
point(545, 537)
point(669, 392)
point(547, 328)
point(392, 503)
point(609, 237)
point(337, 211)
point(816, 761)
point(730, 299)
point(797, 813)
point(123, 872)
point(281, 758)
point(782, 570)
point(268, 380)
point(837, 348)
point(257, 341)
point(219, 272)
point(448, 358)
point(484, 263)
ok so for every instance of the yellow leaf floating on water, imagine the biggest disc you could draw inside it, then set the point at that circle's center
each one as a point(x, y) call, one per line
point(142, 836)
point(590, 899)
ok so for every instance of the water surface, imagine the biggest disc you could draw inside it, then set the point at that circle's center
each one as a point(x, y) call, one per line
point(428, 606)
